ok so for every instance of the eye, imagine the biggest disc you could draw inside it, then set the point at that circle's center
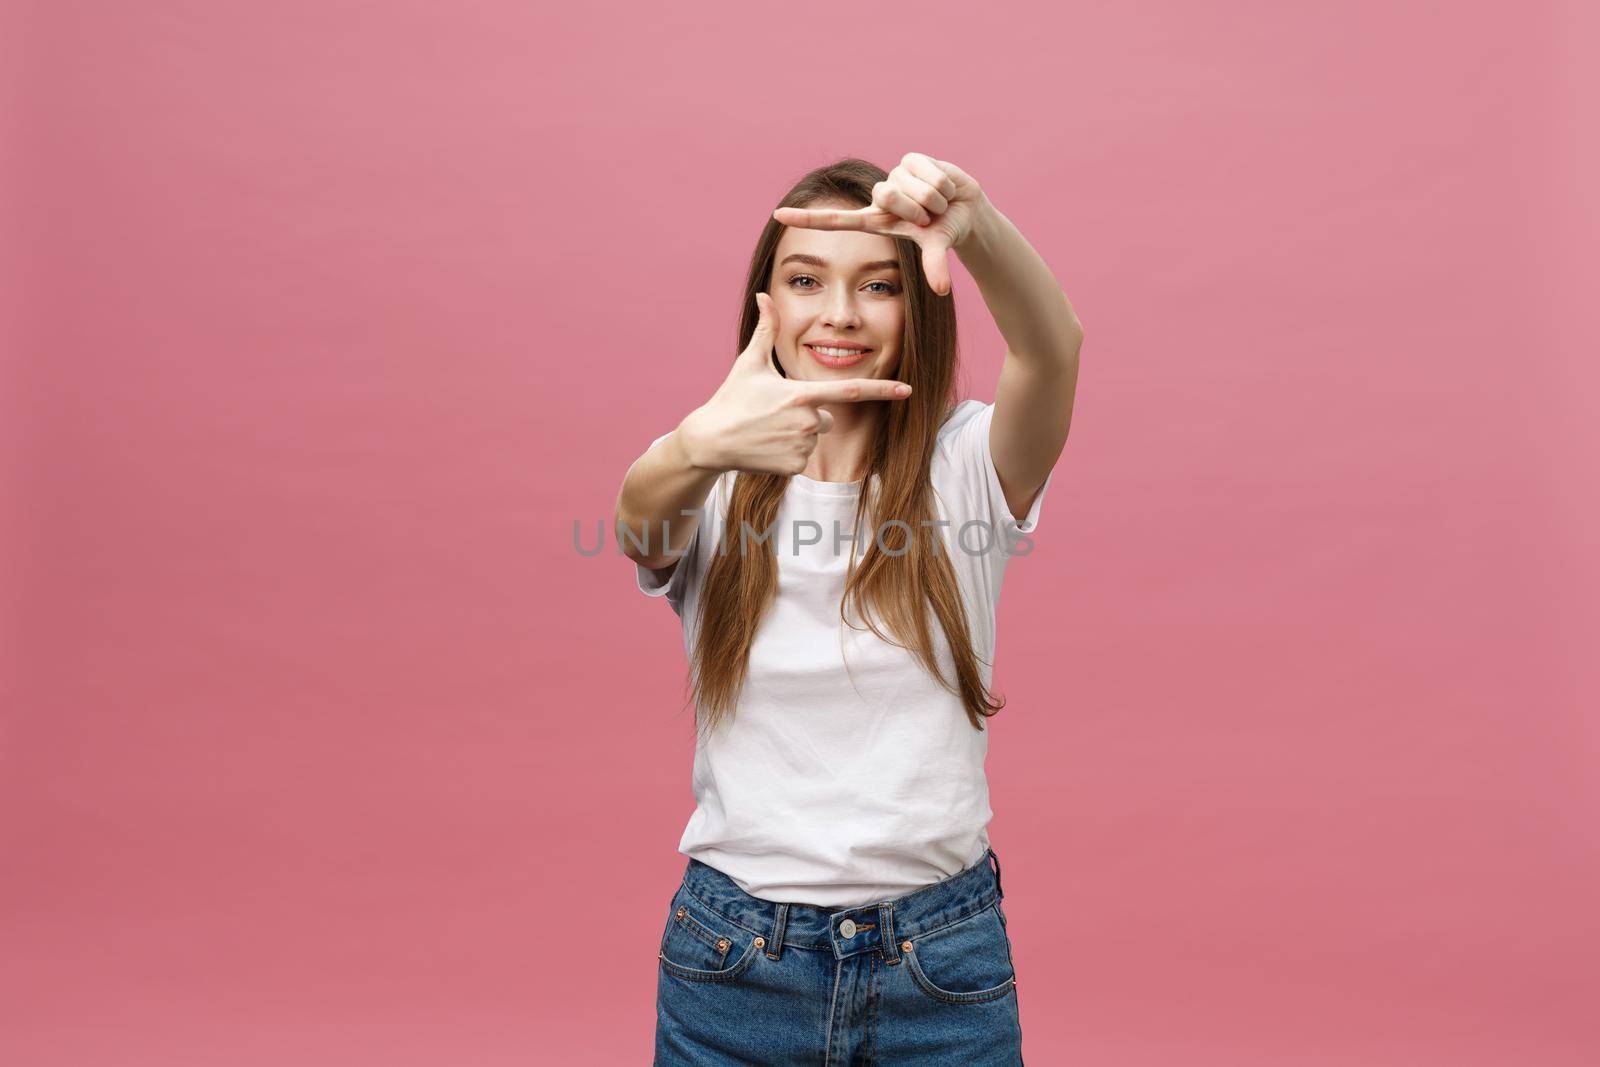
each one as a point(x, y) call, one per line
point(889, 288)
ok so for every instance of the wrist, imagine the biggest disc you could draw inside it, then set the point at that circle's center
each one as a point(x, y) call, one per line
point(689, 446)
point(980, 236)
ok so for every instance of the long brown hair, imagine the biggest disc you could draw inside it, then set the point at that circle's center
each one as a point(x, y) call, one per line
point(899, 584)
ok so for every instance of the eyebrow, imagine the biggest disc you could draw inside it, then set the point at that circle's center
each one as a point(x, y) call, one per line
point(816, 261)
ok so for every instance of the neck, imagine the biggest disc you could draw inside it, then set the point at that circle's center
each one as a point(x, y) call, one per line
point(841, 453)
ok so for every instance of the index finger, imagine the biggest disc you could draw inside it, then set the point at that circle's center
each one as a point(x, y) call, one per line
point(851, 390)
point(822, 218)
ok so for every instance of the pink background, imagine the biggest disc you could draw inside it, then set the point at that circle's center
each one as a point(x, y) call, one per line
point(324, 321)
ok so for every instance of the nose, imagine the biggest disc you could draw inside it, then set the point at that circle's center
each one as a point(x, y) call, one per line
point(841, 312)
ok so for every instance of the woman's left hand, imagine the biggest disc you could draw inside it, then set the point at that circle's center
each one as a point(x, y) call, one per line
point(934, 203)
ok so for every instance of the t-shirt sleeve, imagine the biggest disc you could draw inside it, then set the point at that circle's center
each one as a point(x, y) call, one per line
point(968, 444)
point(651, 583)
point(689, 565)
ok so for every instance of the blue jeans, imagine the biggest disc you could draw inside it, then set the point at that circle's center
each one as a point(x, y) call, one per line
point(923, 979)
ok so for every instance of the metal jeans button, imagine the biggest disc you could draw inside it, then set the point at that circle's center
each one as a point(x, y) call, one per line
point(847, 929)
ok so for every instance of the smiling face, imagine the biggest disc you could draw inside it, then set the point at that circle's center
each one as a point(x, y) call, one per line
point(842, 286)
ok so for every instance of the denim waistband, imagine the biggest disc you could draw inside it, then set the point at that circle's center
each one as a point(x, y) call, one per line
point(848, 931)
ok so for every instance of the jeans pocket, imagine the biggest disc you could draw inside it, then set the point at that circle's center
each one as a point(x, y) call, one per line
point(699, 945)
point(968, 962)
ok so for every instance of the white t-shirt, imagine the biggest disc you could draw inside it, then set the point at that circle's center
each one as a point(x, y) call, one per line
point(849, 776)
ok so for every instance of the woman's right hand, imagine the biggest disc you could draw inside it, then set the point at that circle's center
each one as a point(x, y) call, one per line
point(760, 421)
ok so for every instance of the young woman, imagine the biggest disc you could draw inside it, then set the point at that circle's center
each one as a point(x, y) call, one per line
point(832, 528)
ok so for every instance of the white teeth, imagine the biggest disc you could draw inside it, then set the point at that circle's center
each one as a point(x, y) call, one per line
point(837, 351)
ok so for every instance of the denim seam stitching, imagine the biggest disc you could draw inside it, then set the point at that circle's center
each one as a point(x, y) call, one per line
point(949, 996)
point(719, 914)
point(952, 922)
point(696, 974)
point(701, 932)
point(833, 1006)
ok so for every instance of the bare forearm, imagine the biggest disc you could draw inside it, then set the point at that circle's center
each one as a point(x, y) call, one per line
point(1028, 304)
point(661, 485)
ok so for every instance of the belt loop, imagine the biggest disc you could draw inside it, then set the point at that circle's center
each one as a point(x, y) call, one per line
point(775, 942)
point(891, 949)
point(995, 860)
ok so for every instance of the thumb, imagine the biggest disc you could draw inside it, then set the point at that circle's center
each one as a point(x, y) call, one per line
point(758, 353)
point(937, 267)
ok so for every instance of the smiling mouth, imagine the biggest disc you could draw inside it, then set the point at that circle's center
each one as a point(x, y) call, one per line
point(848, 357)
point(837, 353)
